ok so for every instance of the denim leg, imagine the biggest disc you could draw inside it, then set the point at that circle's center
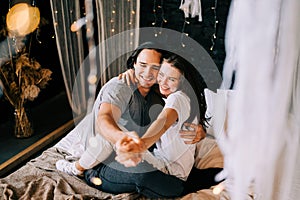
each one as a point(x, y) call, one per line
point(110, 181)
point(151, 183)
point(201, 179)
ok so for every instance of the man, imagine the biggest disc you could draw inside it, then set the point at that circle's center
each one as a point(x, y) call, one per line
point(118, 105)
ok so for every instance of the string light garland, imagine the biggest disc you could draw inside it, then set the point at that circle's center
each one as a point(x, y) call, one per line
point(113, 17)
point(92, 77)
point(155, 17)
point(183, 34)
point(37, 36)
point(214, 35)
point(131, 19)
point(162, 14)
point(155, 8)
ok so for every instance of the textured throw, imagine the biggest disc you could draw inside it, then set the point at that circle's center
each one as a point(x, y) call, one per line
point(39, 179)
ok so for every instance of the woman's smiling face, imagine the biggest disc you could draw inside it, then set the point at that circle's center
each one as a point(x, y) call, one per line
point(168, 79)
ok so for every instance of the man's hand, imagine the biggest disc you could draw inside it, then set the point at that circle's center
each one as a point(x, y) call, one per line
point(130, 150)
point(128, 77)
point(192, 133)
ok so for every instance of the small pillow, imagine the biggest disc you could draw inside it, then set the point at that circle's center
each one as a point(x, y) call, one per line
point(217, 106)
point(210, 97)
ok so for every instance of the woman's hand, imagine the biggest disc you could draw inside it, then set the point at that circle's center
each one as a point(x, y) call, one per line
point(128, 77)
point(192, 133)
point(130, 151)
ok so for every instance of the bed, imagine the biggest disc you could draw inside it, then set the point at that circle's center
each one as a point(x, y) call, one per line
point(39, 178)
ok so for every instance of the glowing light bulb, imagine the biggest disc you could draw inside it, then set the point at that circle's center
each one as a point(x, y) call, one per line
point(78, 24)
point(92, 79)
point(218, 189)
point(22, 19)
point(96, 180)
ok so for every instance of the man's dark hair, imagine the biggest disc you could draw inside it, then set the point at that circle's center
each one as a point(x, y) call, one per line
point(146, 45)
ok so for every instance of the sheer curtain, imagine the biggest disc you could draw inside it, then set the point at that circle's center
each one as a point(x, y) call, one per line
point(261, 148)
point(114, 34)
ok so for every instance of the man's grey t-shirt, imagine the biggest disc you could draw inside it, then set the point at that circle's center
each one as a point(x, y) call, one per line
point(138, 112)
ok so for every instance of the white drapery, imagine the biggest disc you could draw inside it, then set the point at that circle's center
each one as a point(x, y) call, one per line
point(191, 8)
point(262, 145)
point(111, 18)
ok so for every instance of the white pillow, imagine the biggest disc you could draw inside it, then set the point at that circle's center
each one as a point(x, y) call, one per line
point(217, 105)
point(210, 97)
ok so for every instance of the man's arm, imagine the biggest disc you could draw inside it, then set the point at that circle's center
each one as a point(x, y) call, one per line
point(106, 123)
point(193, 134)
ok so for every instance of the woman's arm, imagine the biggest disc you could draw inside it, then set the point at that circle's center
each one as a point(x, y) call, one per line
point(128, 77)
point(129, 150)
point(165, 119)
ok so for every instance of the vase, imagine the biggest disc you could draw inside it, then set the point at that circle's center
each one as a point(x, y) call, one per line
point(23, 128)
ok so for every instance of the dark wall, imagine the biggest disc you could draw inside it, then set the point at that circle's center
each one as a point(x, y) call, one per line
point(43, 44)
point(202, 31)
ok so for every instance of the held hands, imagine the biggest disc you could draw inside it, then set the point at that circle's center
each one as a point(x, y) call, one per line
point(192, 133)
point(130, 150)
point(128, 77)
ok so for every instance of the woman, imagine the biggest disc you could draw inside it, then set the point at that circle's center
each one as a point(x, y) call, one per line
point(173, 155)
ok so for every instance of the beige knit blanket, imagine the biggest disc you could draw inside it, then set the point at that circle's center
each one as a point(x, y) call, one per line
point(38, 179)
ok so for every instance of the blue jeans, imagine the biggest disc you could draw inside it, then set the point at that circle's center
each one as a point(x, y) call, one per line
point(143, 179)
point(1, 91)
